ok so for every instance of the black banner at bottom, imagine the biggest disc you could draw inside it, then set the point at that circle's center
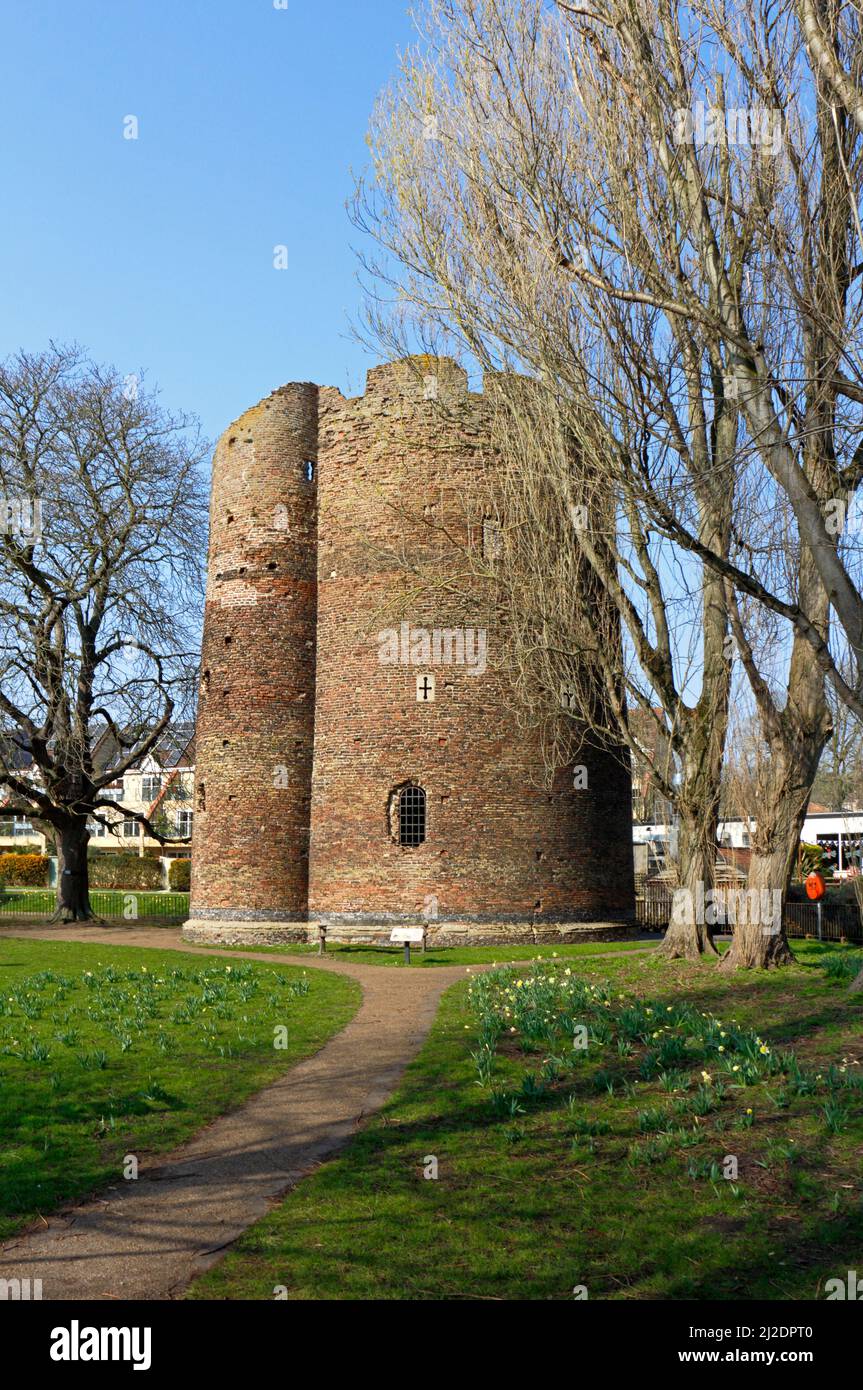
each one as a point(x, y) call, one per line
point(58, 1340)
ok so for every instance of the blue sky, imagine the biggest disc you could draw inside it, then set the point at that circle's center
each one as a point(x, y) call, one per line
point(157, 253)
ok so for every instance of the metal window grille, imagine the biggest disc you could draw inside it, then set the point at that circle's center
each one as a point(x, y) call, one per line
point(412, 816)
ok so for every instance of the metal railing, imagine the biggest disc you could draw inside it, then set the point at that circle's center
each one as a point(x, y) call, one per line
point(838, 921)
point(119, 904)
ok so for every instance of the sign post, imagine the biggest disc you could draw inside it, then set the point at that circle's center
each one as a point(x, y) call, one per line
point(405, 936)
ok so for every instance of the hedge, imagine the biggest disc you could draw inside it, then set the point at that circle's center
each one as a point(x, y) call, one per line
point(117, 851)
point(124, 871)
point(180, 875)
point(24, 870)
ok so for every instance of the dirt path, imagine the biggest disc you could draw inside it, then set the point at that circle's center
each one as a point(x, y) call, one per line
point(147, 1239)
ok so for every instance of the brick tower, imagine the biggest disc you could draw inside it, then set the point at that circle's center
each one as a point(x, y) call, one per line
point(375, 689)
point(256, 716)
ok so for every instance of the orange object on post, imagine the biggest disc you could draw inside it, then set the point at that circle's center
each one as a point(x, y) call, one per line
point(815, 886)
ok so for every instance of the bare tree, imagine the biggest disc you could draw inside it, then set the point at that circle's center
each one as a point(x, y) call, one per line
point(538, 211)
point(791, 333)
point(104, 519)
point(602, 630)
point(833, 31)
point(839, 781)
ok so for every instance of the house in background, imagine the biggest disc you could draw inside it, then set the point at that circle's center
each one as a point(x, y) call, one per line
point(161, 787)
point(838, 833)
point(17, 830)
point(649, 732)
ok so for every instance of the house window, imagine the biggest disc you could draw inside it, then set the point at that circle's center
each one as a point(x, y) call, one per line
point(150, 788)
point(130, 829)
point(184, 822)
point(412, 816)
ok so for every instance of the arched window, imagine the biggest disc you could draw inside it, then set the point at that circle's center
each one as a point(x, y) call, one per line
point(412, 816)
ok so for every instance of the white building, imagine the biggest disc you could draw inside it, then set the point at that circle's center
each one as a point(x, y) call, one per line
point(839, 833)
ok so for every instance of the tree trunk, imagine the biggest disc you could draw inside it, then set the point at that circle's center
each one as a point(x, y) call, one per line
point(703, 732)
point(686, 935)
point(758, 933)
point(759, 940)
point(73, 886)
point(795, 733)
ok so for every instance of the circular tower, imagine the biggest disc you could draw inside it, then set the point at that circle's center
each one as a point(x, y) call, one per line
point(256, 714)
point(429, 800)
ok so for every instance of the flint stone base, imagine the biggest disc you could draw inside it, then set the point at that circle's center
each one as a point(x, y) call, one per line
point(239, 933)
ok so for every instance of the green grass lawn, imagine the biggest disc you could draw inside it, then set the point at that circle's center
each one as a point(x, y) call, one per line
point(108, 1050)
point(561, 1167)
point(130, 904)
point(447, 955)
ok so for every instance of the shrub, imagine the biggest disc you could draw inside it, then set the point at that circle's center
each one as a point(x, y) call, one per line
point(124, 871)
point(24, 870)
point(842, 967)
point(813, 860)
point(180, 875)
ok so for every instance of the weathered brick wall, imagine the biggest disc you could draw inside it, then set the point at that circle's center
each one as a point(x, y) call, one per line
point(303, 577)
point(256, 715)
point(501, 845)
